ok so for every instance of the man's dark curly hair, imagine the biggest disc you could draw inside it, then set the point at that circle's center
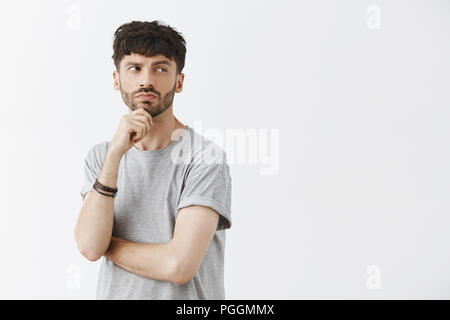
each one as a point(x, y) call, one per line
point(149, 39)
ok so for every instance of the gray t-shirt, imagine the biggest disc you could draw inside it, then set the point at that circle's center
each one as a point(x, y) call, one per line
point(152, 186)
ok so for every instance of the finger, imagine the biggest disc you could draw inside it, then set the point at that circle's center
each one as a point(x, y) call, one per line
point(147, 124)
point(138, 136)
point(146, 114)
point(139, 128)
point(142, 119)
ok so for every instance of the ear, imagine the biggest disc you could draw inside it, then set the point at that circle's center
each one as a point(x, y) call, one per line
point(180, 79)
point(116, 80)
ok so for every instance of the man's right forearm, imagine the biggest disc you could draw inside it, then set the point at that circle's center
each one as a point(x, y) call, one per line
point(94, 226)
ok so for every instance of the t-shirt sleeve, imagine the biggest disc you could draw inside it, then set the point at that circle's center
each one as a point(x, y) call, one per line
point(92, 167)
point(209, 186)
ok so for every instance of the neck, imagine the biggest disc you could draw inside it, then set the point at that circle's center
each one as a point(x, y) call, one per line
point(160, 134)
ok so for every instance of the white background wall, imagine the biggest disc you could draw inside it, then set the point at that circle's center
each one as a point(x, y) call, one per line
point(359, 207)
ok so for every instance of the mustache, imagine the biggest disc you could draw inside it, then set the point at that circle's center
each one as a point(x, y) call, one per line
point(147, 91)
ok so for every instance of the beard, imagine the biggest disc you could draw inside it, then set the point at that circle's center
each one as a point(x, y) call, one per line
point(155, 107)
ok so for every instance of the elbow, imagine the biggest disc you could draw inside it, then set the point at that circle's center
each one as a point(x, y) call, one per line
point(181, 274)
point(86, 250)
point(181, 280)
point(90, 255)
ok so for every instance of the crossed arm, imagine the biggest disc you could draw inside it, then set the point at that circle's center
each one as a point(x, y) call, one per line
point(177, 261)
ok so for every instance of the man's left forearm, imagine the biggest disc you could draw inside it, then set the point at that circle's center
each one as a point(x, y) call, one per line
point(150, 260)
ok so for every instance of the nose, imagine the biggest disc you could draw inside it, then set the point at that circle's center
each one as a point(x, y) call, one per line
point(147, 80)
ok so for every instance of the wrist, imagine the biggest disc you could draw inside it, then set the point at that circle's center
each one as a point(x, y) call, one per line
point(113, 154)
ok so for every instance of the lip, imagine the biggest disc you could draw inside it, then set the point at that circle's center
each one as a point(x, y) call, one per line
point(146, 96)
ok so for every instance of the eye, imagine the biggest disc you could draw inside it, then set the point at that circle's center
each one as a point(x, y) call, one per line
point(165, 70)
point(134, 67)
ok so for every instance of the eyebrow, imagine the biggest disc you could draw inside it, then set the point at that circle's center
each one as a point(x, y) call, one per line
point(132, 63)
